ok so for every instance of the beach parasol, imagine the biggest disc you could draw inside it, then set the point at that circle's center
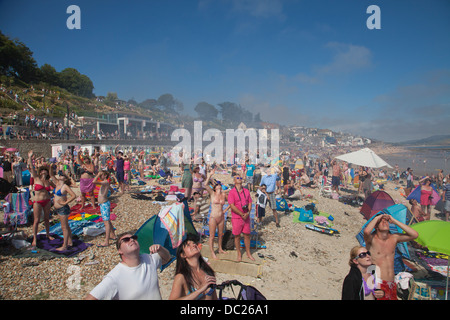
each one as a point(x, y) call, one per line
point(415, 194)
point(435, 235)
point(364, 157)
point(299, 164)
point(11, 149)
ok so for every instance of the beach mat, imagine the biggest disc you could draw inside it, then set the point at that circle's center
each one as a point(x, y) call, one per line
point(227, 263)
point(296, 215)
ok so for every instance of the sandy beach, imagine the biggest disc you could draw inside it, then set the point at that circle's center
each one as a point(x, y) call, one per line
point(303, 264)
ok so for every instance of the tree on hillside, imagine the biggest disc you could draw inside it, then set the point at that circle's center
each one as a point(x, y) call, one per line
point(235, 113)
point(149, 104)
point(169, 104)
point(76, 83)
point(48, 74)
point(16, 60)
point(206, 111)
point(111, 99)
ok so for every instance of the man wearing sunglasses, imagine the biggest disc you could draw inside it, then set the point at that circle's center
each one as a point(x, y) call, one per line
point(136, 276)
point(241, 205)
point(381, 243)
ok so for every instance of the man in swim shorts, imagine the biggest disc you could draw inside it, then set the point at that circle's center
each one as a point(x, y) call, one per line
point(381, 243)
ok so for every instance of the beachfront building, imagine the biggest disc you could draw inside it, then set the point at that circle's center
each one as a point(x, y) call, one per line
point(127, 126)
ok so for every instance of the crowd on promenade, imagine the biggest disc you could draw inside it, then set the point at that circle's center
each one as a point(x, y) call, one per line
point(253, 186)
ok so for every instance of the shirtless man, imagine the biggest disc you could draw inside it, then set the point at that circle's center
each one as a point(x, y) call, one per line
point(381, 244)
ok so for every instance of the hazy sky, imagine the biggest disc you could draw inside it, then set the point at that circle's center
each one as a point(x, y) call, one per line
point(306, 62)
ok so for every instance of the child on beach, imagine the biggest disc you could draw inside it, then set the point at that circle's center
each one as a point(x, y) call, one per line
point(106, 190)
point(261, 201)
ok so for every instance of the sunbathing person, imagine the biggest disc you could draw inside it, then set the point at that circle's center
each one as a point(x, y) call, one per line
point(305, 181)
point(417, 211)
point(291, 191)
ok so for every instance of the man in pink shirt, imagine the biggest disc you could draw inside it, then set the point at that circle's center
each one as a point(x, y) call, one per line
point(241, 205)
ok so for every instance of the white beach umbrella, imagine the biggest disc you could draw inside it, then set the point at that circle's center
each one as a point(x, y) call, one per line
point(364, 157)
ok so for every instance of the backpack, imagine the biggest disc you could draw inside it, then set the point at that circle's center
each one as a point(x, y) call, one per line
point(245, 293)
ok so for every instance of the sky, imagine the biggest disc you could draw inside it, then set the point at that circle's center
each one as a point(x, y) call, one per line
point(312, 63)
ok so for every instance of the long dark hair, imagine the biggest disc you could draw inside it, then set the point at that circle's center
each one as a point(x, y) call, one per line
point(185, 269)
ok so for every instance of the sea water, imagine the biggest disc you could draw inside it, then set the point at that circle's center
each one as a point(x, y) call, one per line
point(423, 160)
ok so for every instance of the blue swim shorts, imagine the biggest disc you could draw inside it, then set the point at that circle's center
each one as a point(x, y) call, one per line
point(105, 210)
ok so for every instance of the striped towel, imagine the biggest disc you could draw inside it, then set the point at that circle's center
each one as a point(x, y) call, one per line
point(19, 208)
point(172, 217)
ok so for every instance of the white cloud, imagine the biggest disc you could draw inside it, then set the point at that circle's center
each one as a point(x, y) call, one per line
point(346, 59)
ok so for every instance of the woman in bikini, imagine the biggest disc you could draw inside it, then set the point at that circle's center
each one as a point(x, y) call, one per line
point(61, 204)
point(42, 200)
point(197, 181)
point(194, 278)
point(217, 216)
point(86, 178)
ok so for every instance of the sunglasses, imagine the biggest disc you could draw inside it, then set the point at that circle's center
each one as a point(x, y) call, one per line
point(127, 239)
point(363, 255)
point(239, 178)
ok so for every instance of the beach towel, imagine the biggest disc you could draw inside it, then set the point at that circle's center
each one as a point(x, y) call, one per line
point(172, 217)
point(51, 245)
point(19, 209)
point(76, 227)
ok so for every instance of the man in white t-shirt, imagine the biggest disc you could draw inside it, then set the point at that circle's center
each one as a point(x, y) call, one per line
point(136, 276)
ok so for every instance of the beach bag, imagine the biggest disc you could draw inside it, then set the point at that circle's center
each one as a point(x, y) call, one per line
point(312, 206)
point(419, 291)
point(305, 215)
point(228, 240)
point(245, 293)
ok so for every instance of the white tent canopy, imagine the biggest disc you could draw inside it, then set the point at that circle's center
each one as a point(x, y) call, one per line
point(364, 157)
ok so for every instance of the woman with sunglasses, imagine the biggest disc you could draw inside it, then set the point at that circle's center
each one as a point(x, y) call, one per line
point(359, 284)
point(136, 276)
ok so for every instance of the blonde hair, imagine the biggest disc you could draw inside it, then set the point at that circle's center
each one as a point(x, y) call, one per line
point(353, 255)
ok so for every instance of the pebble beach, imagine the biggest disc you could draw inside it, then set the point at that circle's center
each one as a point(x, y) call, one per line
point(303, 264)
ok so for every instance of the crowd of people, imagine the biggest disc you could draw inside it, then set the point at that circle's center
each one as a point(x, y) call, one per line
point(253, 186)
